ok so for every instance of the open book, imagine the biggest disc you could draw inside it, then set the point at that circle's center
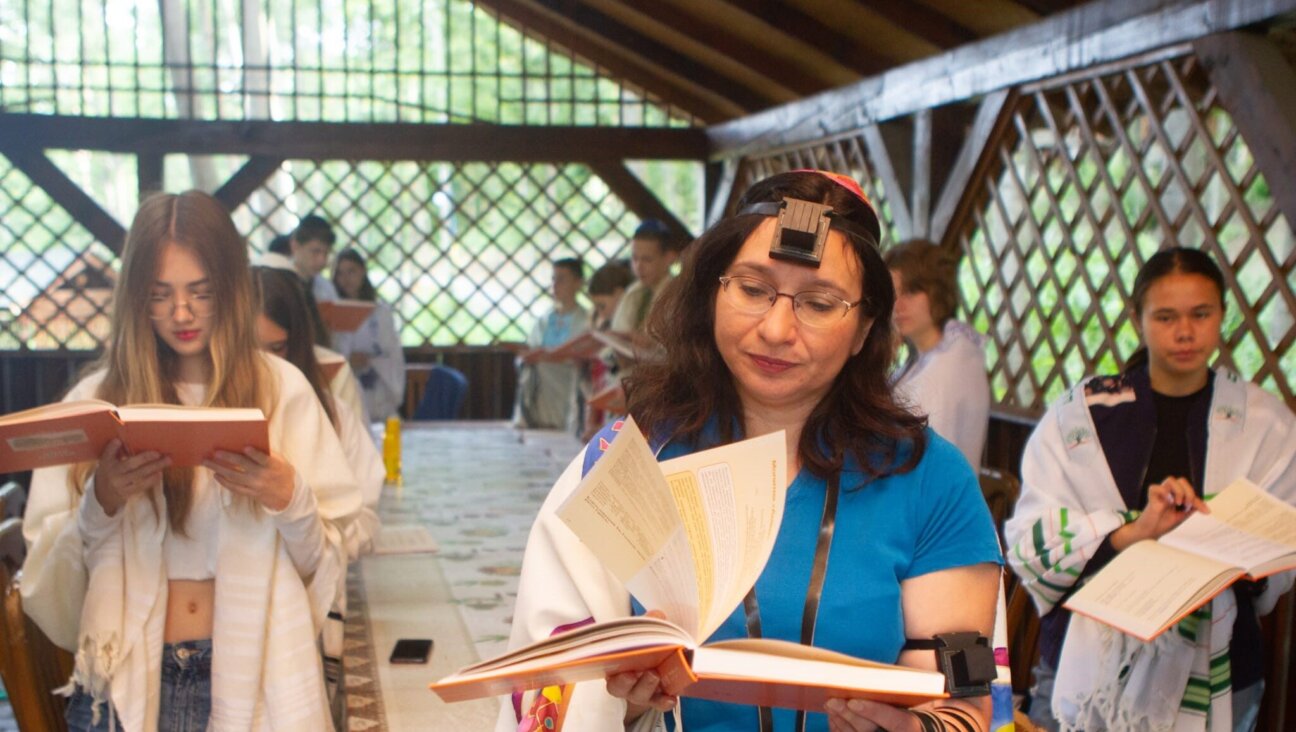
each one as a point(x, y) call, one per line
point(688, 537)
point(344, 316)
point(69, 432)
point(1154, 584)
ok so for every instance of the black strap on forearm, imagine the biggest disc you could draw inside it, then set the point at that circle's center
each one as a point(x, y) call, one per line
point(966, 659)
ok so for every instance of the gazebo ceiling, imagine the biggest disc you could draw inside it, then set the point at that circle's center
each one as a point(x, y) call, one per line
point(722, 59)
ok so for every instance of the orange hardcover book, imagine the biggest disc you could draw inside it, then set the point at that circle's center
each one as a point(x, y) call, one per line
point(1154, 584)
point(688, 537)
point(69, 432)
point(330, 364)
point(344, 316)
point(760, 672)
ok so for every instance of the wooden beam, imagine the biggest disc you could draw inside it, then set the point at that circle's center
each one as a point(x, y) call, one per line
point(332, 141)
point(1091, 34)
point(149, 167)
point(621, 40)
point(931, 25)
point(989, 118)
point(809, 30)
point(920, 208)
point(1258, 88)
point(246, 180)
point(723, 192)
point(880, 157)
point(637, 197)
point(63, 191)
point(724, 41)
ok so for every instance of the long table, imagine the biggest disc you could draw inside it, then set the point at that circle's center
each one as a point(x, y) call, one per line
point(476, 486)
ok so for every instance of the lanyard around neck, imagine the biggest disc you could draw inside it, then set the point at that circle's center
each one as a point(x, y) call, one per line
point(814, 592)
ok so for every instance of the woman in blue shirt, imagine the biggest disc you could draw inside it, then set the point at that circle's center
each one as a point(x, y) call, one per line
point(884, 537)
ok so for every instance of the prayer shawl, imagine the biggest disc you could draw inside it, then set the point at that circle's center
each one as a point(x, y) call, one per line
point(1070, 503)
point(108, 603)
point(949, 385)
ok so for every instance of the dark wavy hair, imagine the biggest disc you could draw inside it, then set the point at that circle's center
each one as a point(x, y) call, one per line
point(367, 291)
point(1175, 260)
point(679, 396)
point(282, 298)
point(925, 267)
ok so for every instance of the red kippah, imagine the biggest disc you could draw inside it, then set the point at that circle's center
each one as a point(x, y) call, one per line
point(845, 181)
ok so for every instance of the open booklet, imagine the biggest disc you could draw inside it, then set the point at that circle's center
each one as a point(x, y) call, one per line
point(69, 432)
point(1152, 585)
point(689, 537)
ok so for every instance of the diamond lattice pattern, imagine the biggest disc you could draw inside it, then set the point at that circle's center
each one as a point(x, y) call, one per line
point(1094, 176)
point(461, 250)
point(55, 278)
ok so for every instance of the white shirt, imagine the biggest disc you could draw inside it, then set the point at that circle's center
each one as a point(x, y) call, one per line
point(949, 384)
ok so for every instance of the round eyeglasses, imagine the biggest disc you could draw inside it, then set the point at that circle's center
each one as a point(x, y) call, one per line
point(756, 297)
point(200, 304)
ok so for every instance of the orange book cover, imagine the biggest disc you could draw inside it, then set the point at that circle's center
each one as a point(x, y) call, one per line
point(331, 365)
point(344, 316)
point(70, 432)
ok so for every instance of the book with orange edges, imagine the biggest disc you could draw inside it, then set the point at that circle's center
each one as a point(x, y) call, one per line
point(330, 364)
point(69, 432)
point(688, 537)
point(1153, 584)
point(344, 316)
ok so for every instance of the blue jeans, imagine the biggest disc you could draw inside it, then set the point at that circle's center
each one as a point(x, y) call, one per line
point(186, 693)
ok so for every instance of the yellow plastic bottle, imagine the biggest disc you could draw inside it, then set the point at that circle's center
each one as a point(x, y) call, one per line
point(391, 450)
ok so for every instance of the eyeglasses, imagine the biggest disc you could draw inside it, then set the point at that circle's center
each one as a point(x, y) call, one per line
point(200, 304)
point(756, 297)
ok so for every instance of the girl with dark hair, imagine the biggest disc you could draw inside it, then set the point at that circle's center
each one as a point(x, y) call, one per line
point(1120, 459)
point(883, 520)
point(374, 349)
point(192, 597)
point(944, 376)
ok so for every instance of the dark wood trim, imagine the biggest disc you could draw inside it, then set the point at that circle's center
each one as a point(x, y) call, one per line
point(1258, 88)
point(930, 25)
point(786, 19)
point(609, 39)
point(149, 167)
point(330, 141)
point(246, 180)
point(1077, 39)
point(989, 117)
point(638, 198)
point(896, 198)
point(66, 193)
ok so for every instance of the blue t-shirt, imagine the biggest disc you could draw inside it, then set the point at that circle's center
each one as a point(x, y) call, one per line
point(889, 530)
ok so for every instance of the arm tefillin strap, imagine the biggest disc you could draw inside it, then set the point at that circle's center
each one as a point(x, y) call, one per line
point(965, 658)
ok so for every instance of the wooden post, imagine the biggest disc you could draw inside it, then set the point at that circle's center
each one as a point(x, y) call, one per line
point(636, 195)
point(880, 156)
point(989, 118)
point(80, 206)
point(920, 209)
point(149, 167)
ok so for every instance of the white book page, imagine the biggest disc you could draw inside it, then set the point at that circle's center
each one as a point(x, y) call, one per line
point(1146, 586)
point(1210, 537)
point(624, 512)
point(731, 501)
point(180, 413)
point(719, 661)
point(1248, 507)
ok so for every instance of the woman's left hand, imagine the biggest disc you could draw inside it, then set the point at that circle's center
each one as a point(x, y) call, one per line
point(860, 715)
point(266, 479)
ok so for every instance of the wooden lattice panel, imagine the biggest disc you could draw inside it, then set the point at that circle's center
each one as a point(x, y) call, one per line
point(441, 244)
point(1092, 176)
point(55, 279)
point(847, 155)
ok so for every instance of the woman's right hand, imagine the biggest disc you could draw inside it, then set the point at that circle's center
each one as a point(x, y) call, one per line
point(1169, 504)
point(642, 691)
point(119, 477)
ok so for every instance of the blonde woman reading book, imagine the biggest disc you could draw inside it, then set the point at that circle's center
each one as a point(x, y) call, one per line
point(192, 598)
point(883, 526)
point(1123, 458)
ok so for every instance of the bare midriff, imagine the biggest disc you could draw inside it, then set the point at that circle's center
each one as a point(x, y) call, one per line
point(190, 606)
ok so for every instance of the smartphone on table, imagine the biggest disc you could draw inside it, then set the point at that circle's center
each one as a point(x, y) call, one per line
point(412, 650)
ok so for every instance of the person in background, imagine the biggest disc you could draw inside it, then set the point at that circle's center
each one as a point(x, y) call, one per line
point(192, 597)
point(651, 258)
point(311, 244)
point(1123, 458)
point(945, 374)
point(546, 390)
point(278, 254)
point(883, 524)
point(606, 287)
point(374, 349)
